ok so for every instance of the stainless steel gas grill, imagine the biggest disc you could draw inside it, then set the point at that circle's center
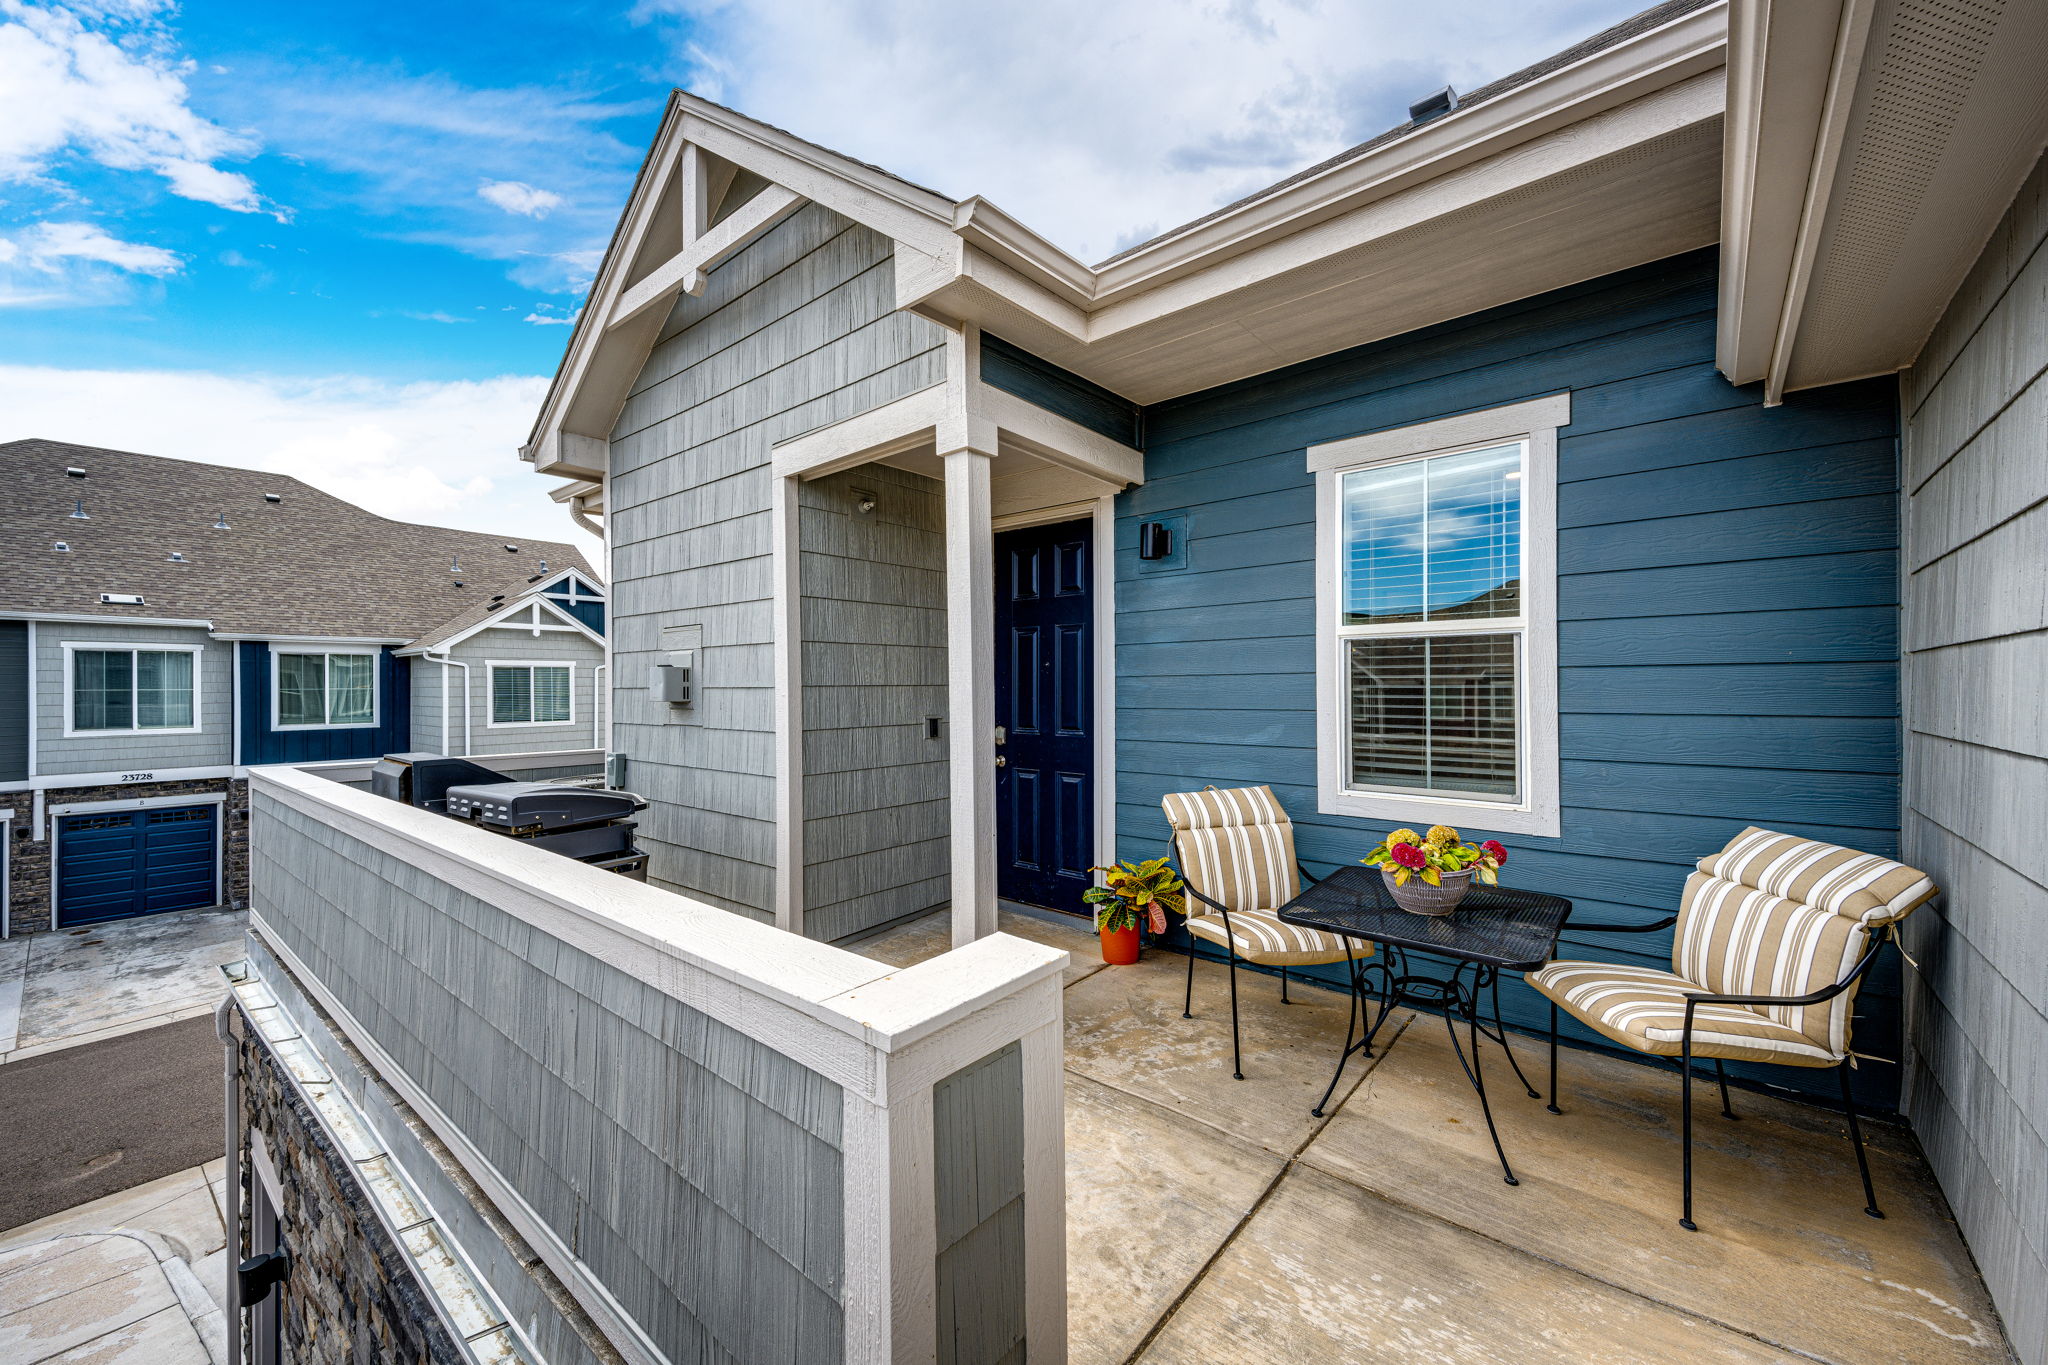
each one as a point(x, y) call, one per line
point(588, 824)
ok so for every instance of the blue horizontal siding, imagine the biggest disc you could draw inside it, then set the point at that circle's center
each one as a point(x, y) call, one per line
point(1015, 370)
point(1728, 600)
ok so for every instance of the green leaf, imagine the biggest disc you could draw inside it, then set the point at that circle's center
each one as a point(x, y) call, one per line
point(1429, 874)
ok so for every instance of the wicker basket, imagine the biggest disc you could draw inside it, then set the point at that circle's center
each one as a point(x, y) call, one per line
point(1418, 897)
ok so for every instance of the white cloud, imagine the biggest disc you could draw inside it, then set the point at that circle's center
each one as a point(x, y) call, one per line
point(1161, 112)
point(425, 158)
point(516, 196)
point(48, 264)
point(114, 92)
point(548, 315)
point(442, 453)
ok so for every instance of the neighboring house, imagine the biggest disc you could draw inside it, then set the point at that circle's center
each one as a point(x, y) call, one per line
point(1644, 446)
point(166, 624)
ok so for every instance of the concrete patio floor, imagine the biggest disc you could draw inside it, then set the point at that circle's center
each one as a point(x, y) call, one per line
point(72, 986)
point(1215, 1221)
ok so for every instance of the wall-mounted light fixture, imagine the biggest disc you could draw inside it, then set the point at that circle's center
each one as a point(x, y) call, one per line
point(1155, 540)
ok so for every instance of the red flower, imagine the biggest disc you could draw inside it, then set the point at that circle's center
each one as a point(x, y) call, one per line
point(1408, 856)
point(1497, 849)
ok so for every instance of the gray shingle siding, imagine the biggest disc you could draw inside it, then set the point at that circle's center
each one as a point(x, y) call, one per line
point(1976, 649)
point(796, 332)
point(874, 667)
point(131, 750)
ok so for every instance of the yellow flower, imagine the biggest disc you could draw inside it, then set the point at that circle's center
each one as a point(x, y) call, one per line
point(1442, 836)
point(1403, 836)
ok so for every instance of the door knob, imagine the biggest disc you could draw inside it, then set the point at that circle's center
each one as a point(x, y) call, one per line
point(1002, 761)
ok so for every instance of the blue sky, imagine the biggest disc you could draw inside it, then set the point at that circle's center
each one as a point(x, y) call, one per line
point(341, 240)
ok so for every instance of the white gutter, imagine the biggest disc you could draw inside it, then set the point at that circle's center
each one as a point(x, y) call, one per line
point(309, 639)
point(600, 709)
point(84, 620)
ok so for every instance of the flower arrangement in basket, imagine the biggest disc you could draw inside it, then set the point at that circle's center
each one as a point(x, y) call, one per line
point(1429, 874)
point(1128, 891)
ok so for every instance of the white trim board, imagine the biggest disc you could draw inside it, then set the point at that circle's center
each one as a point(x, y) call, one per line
point(139, 803)
point(1534, 422)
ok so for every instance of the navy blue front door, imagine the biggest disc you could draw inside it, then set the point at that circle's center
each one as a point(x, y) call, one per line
point(1045, 708)
point(119, 864)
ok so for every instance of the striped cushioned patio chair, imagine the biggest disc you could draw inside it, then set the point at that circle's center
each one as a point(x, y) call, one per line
point(1236, 854)
point(1774, 935)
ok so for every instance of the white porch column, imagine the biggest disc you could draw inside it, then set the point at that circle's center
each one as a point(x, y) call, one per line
point(971, 691)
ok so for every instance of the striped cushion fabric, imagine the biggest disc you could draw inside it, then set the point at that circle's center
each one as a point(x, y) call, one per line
point(1858, 886)
point(1738, 940)
point(1644, 1008)
point(1265, 941)
point(1237, 846)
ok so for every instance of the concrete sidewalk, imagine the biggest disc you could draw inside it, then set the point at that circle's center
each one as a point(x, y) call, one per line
point(72, 986)
point(138, 1277)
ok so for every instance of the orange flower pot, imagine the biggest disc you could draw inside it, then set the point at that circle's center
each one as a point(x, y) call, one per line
point(1119, 946)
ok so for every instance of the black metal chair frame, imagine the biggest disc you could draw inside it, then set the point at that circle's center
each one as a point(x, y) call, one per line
point(1187, 1009)
point(1882, 935)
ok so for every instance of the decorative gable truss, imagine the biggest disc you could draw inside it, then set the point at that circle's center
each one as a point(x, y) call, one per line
point(713, 183)
point(530, 613)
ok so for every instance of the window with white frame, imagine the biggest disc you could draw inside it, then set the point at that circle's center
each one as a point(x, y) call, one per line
point(1437, 620)
point(324, 689)
point(132, 687)
point(531, 694)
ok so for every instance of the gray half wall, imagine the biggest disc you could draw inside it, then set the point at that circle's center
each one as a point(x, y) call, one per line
point(1976, 791)
point(696, 1172)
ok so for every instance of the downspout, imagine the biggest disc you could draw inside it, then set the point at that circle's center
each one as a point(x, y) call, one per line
point(35, 828)
point(444, 704)
point(231, 1191)
point(599, 705)
point(447, 663)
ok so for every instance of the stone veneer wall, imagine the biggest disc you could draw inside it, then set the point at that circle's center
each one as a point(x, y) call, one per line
point(29, 859)
point(350, 1297)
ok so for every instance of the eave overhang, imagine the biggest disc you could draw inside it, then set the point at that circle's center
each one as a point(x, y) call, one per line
point(1873, 146)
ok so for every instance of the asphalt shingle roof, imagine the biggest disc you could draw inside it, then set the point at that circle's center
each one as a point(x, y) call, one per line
point(307, 564)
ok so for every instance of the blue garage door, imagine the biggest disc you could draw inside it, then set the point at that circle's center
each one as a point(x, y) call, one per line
point(135, 862)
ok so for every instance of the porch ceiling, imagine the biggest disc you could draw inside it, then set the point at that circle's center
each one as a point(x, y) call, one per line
point(1873, 146)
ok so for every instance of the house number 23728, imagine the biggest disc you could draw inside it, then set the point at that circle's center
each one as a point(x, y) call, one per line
point(137, 777)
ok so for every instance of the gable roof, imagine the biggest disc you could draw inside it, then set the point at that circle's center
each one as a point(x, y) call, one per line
point(472, 619)
point(308, 564)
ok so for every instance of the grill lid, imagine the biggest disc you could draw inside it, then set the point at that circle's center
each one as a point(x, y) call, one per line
point(539, 805)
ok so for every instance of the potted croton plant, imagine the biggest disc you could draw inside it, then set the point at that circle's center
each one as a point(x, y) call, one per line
point(1131, 892)
point(1428, 874)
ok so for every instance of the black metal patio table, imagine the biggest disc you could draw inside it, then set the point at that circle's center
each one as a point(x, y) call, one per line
point(1494, 929)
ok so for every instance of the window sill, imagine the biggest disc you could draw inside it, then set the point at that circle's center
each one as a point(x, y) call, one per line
point(1422, 811)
